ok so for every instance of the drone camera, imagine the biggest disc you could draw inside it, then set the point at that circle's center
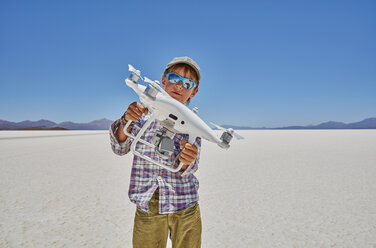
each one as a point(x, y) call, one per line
point(164, 145)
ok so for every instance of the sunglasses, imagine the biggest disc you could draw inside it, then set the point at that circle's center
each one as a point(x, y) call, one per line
point(174, 78)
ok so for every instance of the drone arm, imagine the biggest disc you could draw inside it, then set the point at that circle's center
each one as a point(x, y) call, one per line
point(161, 90)
point(156, 84)
point(138, 88)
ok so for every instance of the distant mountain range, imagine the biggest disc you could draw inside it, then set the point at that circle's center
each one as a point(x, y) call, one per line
point(369, 123)
point(104, 124)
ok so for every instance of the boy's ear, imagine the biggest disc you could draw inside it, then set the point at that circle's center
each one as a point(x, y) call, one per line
point(164, 79)
point(194, 92)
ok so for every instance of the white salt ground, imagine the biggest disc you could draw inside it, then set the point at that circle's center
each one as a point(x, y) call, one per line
point(276, 188)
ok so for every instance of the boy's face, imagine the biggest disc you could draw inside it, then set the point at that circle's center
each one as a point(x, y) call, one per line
point(177, 91)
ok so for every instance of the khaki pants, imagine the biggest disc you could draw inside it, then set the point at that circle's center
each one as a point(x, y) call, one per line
point(151, 228)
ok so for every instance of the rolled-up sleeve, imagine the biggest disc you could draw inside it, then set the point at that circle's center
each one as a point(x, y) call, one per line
point(117, 147)
point(192, 168)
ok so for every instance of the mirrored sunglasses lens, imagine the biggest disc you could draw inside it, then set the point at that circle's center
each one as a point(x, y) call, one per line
point(188, 84)
point(173, 78)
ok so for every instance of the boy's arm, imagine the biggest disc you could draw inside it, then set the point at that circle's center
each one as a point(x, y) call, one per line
point(119, 146)
point(120, 143)
point(119, 133)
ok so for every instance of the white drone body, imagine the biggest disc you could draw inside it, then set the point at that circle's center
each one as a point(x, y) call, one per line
point(174, 116)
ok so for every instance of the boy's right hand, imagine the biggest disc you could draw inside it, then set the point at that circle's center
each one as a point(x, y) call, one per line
point(134, 111)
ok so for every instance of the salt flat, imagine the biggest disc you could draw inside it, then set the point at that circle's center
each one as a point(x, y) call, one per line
point(276, 188)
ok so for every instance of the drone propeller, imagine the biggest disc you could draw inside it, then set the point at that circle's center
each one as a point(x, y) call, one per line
point(230, 130)
point(137, 73)
point(217, 126)
point(154, 83)
point(132, 69)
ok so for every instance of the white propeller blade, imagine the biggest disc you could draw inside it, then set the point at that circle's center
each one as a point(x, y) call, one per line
point(232, 132)
point(132, 69)
point(238, 136)
point(147, 80)
point(217, 126)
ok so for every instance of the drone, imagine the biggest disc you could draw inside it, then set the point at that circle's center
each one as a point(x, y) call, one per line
point(174, 116)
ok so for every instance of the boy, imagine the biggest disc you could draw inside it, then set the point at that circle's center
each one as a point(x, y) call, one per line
point(166, 201)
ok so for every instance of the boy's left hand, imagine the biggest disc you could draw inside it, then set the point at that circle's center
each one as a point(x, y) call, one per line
point(188, 154)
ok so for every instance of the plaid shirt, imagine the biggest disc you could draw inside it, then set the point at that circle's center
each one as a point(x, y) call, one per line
point(177, 191)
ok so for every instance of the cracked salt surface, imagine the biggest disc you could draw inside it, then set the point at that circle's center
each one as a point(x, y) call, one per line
point(276, 188)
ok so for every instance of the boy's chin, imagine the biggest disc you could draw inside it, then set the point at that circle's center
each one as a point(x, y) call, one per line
point(177, 98)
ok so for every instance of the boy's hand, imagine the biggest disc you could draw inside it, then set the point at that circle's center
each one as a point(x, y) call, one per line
point(188, 154)
point(134, 111)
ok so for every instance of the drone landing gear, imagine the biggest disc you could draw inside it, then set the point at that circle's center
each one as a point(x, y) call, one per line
point(162, 144)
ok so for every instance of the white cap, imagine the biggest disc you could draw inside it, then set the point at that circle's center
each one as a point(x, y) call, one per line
point(188, 61)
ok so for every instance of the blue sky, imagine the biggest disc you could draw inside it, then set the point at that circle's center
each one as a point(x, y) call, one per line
point(263, 63)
